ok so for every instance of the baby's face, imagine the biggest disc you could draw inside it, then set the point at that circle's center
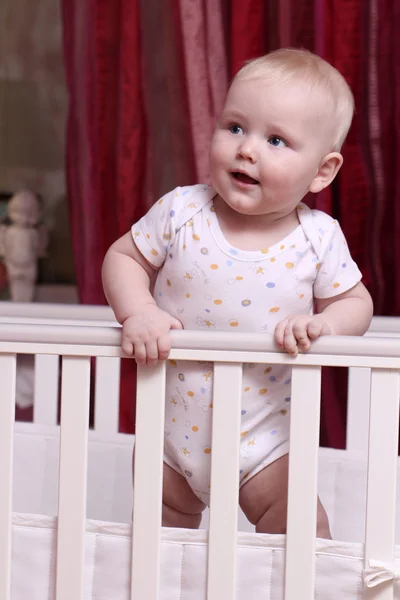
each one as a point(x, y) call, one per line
point(268, 145)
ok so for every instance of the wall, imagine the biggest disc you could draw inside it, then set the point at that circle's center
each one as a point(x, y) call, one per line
point(33, 108)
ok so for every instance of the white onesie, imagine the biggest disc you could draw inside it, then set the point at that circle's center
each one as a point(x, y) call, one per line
point(207, 284)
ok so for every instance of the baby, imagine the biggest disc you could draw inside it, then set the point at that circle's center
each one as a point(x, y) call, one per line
point(244, 254)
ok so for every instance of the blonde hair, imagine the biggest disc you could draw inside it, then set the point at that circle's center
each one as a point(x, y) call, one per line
point(287, 63)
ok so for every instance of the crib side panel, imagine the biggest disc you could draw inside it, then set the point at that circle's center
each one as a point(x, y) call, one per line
point(46, 389)
point(148, 477)
point(106, 392)
point(106, 389)
point(73, 478)
point(7, 404)
point(300, 564)
point(222, 550)
point(303, 473)
point(358, 393)
point(382, 474)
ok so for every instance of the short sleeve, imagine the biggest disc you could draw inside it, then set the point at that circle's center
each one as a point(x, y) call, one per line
point(154, 232)
point(337, 271)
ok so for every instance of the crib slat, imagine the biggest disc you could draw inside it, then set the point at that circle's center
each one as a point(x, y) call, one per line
point(47, 371)
point(7, 410)
point(382, 471)
point(222, 550)
point(358, 392)
point(303, 472)
point(75, 389)
point(147, 488)
point(106, 412)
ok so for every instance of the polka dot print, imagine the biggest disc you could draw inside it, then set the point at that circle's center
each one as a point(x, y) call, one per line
point(209, 284)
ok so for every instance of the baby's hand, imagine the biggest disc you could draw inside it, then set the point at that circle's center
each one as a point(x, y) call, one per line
point(145, 334)
point(297, 332)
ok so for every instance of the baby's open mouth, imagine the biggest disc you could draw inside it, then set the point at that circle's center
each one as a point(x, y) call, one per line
point(244, 178)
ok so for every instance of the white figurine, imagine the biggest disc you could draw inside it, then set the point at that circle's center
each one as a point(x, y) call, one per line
point(22, 243)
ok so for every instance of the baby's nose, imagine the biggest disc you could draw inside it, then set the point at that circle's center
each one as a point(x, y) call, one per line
point(248, 150)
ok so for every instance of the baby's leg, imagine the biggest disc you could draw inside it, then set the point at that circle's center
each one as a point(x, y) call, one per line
point(181, 507)
point(264, 500)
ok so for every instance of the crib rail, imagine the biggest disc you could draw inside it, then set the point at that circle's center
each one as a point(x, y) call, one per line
point(381, 357)
point(107, 376)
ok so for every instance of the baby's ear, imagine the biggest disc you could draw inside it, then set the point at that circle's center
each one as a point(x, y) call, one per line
point(327, 172)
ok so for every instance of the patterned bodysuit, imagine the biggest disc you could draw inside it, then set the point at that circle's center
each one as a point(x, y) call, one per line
point(207, 284)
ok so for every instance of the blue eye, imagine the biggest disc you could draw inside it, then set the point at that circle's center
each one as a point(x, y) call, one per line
point(235, 129)
point(277, 141)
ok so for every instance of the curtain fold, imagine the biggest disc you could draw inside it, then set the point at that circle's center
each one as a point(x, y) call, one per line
point(106, 131)
point(248, 27)
point(382, 150)
point(205, 74)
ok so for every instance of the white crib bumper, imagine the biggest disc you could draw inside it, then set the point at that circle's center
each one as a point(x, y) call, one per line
point(183, 575)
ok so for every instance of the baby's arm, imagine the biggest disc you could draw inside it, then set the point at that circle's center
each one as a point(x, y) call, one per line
point(127, 280)
point(349, 313)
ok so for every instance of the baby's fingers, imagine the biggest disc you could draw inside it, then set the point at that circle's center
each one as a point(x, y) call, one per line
point(140, 353)
point(164, 347)
point(151, 353)
point(284, 337)
point(127, 346)
point(279, 333)
point(290, 341)
point(300, 332)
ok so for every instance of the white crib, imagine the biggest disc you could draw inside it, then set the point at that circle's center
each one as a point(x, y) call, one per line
point(89, 552)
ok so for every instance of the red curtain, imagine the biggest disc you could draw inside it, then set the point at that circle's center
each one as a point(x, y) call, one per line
point(146, 82)
point(106, 141)
point(359, 37)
